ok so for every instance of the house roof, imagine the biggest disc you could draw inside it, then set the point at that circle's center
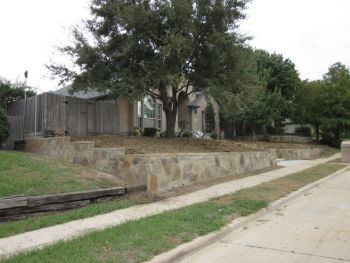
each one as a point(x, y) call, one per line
point(65, 91)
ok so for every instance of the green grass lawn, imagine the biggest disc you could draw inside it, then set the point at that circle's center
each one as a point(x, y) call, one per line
point(28, 174)
point(140, 240)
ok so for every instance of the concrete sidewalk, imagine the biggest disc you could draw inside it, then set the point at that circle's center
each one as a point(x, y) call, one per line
point(313, 228)
point(42, 237)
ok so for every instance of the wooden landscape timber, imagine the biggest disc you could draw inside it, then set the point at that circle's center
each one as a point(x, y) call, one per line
point(12, 208)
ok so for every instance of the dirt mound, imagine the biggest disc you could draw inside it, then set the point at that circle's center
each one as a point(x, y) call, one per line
point(144, 145)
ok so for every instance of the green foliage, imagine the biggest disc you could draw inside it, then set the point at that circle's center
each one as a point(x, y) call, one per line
point(326, 104)
point(210, 117)
point(9, 93)
point(186, 134)
point(140, 47)
point(150, 132)
point(4, 132)
point(263, 90)
point(182, 125)
point(335, 99)
point(214, 135)
point(137, 131)
point(278, 74)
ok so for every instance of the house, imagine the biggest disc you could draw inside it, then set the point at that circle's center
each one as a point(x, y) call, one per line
point(90, 113)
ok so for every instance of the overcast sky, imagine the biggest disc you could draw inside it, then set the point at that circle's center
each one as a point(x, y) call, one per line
point(313, 33)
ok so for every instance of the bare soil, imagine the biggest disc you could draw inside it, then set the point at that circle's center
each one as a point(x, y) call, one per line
point(144, 145)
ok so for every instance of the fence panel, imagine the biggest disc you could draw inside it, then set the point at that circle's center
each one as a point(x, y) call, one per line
point(77, 117)
point(15, 130)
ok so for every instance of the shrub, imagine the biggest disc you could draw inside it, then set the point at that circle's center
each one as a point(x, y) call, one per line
point(182, 125)
point(186, 134)
point(150, 132)
point(303, 130)
point(214, 136)
point(4, 132)
point(329, 139)
point(137, 131)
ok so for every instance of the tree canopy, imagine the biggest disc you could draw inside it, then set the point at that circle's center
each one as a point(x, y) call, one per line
point(326, 103)
point(9, 92)
point(263, 90)
point(159, 47)
point(278, 74)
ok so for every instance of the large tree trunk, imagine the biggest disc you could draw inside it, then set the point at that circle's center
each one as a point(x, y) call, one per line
point(170, 107)
point(170, 122)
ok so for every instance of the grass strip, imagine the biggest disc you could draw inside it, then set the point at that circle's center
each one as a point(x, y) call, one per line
point(140, 240)
point(32, 223)
point(28, 174)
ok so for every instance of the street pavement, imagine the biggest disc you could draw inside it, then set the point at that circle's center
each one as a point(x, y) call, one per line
point(312, 228)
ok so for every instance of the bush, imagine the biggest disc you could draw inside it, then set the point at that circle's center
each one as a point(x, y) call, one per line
point(4, 132)
point(150, 132)
point(329, 139)
point(186, 134)
point(214, 136)
point(137, 131)
point(303, 130)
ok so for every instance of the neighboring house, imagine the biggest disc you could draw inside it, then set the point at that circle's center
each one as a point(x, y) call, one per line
point(149, 111)
point(290, 126)
point(89, 113)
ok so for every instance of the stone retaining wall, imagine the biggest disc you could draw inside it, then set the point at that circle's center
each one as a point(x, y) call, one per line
point(78, 152)
point(297, 154)
point(161, 172)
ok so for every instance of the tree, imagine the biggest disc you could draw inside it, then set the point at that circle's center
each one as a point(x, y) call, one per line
point(259, 107)
point(10, 92)
point(325, 103)
point(278, 74)
point(308, 106)
point(163, 48)
point(210, 118)
point(3, 127)
point(335, 99)
point(249, 98)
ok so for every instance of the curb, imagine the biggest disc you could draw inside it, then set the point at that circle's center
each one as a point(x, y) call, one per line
point(193, 246)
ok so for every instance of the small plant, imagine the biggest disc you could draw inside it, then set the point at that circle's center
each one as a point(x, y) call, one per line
point(150, 132)
point(186, 134)
point(182, 125)
point(214, 136)
point(137, 131)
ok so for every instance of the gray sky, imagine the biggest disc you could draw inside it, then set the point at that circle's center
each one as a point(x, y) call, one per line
point(313, 33)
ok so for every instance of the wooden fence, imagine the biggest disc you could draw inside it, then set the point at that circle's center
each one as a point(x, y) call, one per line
point(76, 117)
point(15, 130)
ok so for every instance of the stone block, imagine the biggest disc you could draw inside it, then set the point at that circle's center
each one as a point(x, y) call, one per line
point(345, 152)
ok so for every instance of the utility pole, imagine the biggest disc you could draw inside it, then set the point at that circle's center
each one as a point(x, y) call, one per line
point(25, 101)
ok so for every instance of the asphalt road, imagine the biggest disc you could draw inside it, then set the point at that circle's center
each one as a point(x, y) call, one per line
point(313, 228)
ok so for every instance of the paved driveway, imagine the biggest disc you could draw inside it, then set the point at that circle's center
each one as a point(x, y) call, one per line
point(313, 228)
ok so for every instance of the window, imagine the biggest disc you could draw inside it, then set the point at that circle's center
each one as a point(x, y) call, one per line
point(149, 104)
point(152, 113)
point(159, 116)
